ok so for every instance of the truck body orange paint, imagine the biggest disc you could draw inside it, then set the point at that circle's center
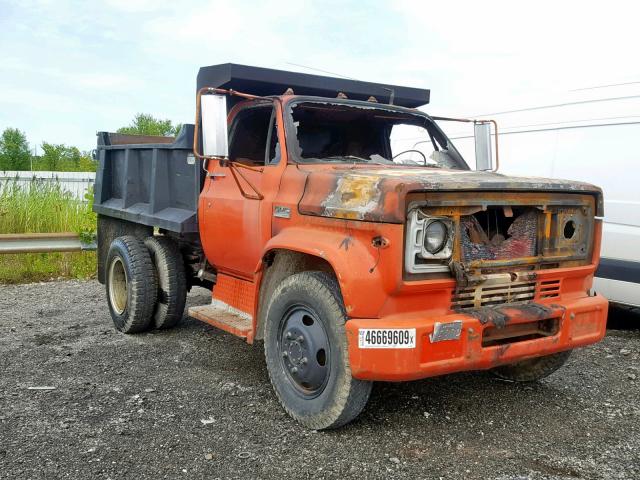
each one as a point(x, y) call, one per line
point(352, 264)
point(336, 221)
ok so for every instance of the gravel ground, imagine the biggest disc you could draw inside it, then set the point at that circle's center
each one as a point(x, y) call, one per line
point(194, 402)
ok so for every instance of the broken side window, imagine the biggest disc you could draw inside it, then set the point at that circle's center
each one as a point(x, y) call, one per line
point(248, 135)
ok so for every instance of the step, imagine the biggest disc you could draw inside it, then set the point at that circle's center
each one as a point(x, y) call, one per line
point(224, 317)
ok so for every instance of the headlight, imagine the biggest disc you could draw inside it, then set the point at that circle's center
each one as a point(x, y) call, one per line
point(435, 237)
point(429, 243)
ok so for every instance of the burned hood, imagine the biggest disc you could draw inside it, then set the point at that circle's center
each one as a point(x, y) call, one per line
point(378, 194)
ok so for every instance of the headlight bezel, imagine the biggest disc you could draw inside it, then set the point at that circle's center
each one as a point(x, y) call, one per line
point(417, 258)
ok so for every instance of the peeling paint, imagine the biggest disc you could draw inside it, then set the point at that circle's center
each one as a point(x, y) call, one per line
point(378, 194)
point(353, 198)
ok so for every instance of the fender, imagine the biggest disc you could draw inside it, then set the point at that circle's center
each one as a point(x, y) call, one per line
point(353, 258)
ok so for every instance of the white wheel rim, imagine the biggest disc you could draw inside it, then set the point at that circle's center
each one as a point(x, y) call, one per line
point(118, 285)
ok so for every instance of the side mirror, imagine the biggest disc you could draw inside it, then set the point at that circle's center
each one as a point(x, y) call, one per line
point(215, 141)
point(482, 137)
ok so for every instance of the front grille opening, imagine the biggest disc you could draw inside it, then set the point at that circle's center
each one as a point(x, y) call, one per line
point(548, 289)
point(499, 233)
point(519, 332)
point(486, 296)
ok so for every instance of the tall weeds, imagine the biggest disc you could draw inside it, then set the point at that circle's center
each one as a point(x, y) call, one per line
point(45, 207)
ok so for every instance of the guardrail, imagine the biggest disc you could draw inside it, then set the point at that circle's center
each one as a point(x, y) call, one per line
point(43, 243)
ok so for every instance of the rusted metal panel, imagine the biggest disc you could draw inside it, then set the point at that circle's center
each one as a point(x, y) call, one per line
point(224, 317)
point(378, 194)
point(492, 336)
point(500, 231)
point(481, 295)
point(127, 139)
point(501, 315)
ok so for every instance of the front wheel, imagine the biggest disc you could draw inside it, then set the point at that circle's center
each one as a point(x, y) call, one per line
point(306, 352)
point(533, 369)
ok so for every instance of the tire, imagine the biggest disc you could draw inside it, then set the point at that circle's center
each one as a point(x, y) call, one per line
point(533, 369)
point(305, 321)
point(172, 286)
point(131, 284)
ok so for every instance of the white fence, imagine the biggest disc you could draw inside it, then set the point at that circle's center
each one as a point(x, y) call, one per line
point(76, 183)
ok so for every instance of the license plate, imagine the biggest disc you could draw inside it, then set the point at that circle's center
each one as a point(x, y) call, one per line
point(387, 338)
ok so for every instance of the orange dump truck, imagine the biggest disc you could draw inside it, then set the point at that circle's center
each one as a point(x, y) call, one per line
point(338, 224)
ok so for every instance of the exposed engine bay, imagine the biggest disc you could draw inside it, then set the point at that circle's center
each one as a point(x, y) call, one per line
point(499, 233)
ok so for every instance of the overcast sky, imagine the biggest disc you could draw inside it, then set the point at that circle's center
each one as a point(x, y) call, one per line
point(69, 69)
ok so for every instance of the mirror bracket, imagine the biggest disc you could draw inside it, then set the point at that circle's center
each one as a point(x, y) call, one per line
point(221, 144)
point(479, 122)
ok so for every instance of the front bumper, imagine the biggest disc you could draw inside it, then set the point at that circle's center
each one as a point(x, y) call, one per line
point(580, 321)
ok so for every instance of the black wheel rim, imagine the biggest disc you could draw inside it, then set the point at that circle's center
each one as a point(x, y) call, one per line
point(303, 346)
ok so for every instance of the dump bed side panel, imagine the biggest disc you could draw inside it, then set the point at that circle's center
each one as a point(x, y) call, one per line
point(154, 184)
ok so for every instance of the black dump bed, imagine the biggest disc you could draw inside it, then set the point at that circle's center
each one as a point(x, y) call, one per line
point(153, 181)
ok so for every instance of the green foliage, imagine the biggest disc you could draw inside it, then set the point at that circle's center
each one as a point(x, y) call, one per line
point(55, 157)
point(45, 207)
point(39, 267)
point(145, 124)
point(16, 155)
point(14, 150)
point(88, 219)
point(42, 207)
point(62, 158)
point(87, 163)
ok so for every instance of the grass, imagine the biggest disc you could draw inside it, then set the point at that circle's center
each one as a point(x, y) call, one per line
point(45, 207)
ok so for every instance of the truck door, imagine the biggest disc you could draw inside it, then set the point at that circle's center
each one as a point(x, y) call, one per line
point(234, 226)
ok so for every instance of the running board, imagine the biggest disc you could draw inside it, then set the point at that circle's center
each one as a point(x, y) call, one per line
point(226, 318)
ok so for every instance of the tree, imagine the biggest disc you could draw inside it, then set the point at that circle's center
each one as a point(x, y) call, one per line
point(14, 150)
point(58, 158)
point(87, 163)
point(145, 124)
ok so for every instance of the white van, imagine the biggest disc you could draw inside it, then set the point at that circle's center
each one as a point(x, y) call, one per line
point(591, 134)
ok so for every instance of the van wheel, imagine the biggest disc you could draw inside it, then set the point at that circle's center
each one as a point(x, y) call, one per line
point(172, 286)
point(533, 369)
point(131, 283)
point(305, 346)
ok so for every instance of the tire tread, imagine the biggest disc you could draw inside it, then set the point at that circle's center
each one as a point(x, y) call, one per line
point(352, 394)
point(143, 283)
point(166, 250)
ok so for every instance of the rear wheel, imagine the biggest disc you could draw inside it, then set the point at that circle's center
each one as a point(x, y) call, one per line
point(306, 352)
point(172, 285)
point(131, 284)
point(532, 369)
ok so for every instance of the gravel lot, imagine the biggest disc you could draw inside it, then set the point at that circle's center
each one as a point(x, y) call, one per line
point(195, 402)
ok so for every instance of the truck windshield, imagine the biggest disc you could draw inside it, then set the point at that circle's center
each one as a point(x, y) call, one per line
point(360, 133)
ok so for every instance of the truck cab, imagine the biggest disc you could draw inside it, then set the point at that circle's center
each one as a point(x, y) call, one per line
point(339, 225)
